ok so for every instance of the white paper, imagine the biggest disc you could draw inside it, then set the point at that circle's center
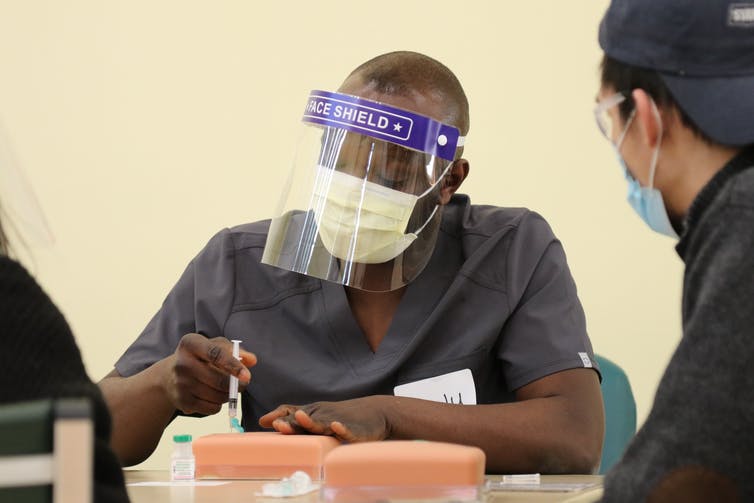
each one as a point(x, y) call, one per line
point(179, 483)
point(456, 387)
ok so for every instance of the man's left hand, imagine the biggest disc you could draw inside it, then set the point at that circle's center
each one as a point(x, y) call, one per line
point(357, 420)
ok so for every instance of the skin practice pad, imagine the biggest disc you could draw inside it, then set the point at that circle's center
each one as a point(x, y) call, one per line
point(260, 455)
point(404, 469)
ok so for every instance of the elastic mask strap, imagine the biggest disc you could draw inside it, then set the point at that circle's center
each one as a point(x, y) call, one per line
point(439, 179)
point(656, 153)
point(417, 231)
point(442, 175)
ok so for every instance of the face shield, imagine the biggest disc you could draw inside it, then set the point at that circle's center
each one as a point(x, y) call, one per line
point(361, 205)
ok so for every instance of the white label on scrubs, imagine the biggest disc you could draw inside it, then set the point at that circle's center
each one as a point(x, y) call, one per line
point(585, 360)
point(456, 387)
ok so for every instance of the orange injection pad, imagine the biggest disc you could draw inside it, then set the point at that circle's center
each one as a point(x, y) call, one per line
point(260, 455)
point(404, 468)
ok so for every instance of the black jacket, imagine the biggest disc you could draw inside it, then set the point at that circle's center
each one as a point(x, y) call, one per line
point(39, 359)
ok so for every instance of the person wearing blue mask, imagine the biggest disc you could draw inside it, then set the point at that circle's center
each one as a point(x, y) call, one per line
point(677, 102)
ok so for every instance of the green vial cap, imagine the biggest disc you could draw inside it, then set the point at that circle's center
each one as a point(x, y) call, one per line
point(181, 438)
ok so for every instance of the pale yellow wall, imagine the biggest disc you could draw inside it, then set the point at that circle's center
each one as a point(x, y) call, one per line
point(146, 126)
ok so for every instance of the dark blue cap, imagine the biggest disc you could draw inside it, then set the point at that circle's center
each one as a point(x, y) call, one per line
point(703, 51)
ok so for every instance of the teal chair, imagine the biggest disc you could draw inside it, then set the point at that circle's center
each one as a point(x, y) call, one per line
point(47, 451)
point(620, 412)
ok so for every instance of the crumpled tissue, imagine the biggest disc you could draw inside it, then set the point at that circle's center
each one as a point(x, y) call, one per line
point(297, 484)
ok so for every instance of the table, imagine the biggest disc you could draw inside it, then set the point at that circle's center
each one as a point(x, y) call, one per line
point(242, 491)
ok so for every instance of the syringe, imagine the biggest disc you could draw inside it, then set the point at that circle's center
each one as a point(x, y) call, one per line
point(233, 392)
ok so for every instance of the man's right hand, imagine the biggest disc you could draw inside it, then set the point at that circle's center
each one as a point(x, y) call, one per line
point(196, 379)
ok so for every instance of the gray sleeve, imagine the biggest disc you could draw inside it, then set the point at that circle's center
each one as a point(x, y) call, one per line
point(546, 332)
point(703, 410)
point(200, 302)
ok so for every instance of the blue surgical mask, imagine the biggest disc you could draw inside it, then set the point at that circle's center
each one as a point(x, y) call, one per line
point(647, 202)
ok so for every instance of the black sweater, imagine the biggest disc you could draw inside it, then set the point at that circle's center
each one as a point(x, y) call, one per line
point(40, 359)
point(698, 441)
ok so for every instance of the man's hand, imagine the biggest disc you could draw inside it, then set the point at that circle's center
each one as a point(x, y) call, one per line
point(196, 379)
point(357, 420)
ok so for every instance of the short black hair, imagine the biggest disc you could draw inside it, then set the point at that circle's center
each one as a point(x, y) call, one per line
point(402, 71)
point(625, 78)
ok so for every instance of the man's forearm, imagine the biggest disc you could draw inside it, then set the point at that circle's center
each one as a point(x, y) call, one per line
point(556, 425)
point(140, 411)
point(532, 436)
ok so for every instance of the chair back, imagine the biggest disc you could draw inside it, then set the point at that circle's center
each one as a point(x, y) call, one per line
point(46, 451)
point(620, 412)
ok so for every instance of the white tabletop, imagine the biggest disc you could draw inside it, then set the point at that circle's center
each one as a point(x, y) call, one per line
point(155, 486)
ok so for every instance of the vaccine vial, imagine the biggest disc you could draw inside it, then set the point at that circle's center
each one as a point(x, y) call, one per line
point(182, 463)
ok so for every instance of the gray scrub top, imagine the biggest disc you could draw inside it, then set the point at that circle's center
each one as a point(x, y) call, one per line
point(496, 297)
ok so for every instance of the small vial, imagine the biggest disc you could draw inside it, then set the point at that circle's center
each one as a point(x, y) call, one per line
point(182, 463)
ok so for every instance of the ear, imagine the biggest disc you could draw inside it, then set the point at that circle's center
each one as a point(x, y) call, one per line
point(453, 180)
point(647, 118)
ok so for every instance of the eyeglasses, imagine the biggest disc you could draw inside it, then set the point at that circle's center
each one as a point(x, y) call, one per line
point(604, 121)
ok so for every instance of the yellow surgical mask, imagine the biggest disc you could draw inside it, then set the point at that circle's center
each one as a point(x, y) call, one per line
point(363, 221)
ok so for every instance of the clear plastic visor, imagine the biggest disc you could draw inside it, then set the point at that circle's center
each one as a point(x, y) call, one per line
point(357, 210)
point(22, 221)
point(376, 161)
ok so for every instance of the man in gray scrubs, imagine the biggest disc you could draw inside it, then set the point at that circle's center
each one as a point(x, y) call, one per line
point(379, 301)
